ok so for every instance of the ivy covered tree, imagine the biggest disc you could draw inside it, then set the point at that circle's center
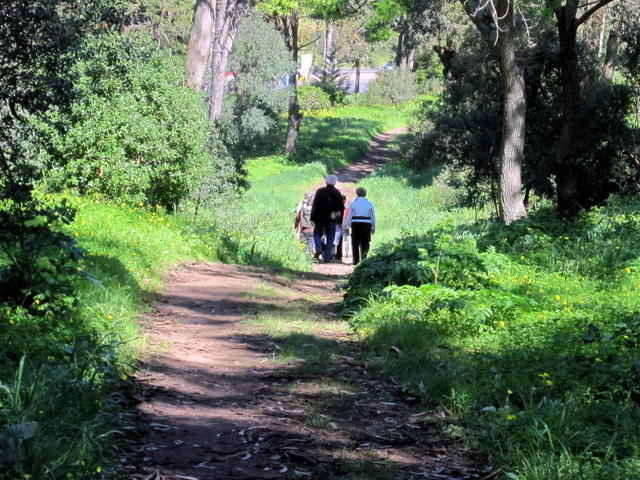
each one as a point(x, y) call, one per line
point(286, 16)
point(470, 127)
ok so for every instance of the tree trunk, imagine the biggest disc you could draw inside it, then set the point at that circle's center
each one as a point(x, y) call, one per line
point(513, 121)
point(514, 105)
point(400, 50)
point(446, 56)
point(200, 41)
point(329, 33)
point(603, 33)
point(567, 187)
point(356, 87)
point(411, 60)
point(611, 55)
point(225, 27)
point(295, 116)
point(215, 23)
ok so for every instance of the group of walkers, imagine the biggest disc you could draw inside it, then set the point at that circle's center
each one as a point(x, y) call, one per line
point(325, 223)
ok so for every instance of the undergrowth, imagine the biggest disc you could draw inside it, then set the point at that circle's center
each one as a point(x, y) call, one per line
point(527, 334)
point(56, 377)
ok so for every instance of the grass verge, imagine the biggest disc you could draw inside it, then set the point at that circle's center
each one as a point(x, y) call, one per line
point(528, 334)
point(56, 401)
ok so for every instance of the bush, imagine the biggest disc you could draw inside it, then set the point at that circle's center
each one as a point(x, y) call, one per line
point(134, 132)
point(255, 99)
point(68, 338)
point(38, 302)
point(333, 86)
point(442, 259)
point(392, 88)
point(311, 97)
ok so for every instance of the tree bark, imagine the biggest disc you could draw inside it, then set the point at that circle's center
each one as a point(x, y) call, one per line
point(513, 120)
point(215, 23)
point(329, 33)
point(603, 33)
point(514, 104)
point(400, 50)
point(447, 57)
point(356, 87)
point(295, 115)
point(200, 41)
point(566, 182)
point(610, 56)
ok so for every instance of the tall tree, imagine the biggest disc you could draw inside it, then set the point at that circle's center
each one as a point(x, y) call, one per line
point(286, 16)
point(352, 46)
point(168, 21)
point(287, 21)
point(498, 22)
point(409, 19)
point(214, 26)
point(570, 15)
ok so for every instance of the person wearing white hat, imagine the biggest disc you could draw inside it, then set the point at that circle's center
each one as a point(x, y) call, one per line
point(361, 219)
point(326, 214)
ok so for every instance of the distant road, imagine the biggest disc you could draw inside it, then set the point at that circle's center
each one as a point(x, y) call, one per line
point(367, 75)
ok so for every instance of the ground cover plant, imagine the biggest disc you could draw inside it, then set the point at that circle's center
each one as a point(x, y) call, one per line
point(66, 350)
point(527, 334)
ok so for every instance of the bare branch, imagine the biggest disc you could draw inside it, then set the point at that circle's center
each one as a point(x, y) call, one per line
point(586, 15)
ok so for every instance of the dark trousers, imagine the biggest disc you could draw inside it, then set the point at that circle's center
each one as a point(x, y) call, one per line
point(326, 232)
point(360, 240)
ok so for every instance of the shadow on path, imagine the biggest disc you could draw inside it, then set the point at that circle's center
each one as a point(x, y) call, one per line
point(221, 398)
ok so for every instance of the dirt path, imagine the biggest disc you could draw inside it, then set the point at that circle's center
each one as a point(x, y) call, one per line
point(254, 377)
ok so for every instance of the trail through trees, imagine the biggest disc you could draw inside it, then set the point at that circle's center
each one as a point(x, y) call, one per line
point(252, 375)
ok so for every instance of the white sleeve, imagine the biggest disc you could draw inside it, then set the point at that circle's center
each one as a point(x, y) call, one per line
point(373, 217)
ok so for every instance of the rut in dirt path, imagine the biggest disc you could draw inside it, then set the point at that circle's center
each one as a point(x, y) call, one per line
point(253, 376)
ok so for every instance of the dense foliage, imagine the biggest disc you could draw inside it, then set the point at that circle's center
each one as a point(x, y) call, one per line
point(392, 88)
point(257, 94)
point(527, 334)
point(133, 132)
point(465, 131)
point(312, 97)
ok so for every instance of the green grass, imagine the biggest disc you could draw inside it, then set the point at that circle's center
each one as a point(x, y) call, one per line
point(410, 203)
point(65, 391)
point(528, 334)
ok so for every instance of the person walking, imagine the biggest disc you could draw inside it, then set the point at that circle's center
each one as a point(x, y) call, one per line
point(361, 219)
point(326, 213)
point(303, 225)
point(340, 232)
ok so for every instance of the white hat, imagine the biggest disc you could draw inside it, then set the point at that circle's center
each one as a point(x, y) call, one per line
point(331, 179)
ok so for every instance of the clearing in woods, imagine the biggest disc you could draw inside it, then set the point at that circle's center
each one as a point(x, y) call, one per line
point(254, 376)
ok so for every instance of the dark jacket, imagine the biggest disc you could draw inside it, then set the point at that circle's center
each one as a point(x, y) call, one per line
point(327, 200)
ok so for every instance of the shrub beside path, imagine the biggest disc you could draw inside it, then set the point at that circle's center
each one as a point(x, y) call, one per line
point(251, 375)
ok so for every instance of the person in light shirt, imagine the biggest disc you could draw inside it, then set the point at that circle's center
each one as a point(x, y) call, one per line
point(361, 219)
